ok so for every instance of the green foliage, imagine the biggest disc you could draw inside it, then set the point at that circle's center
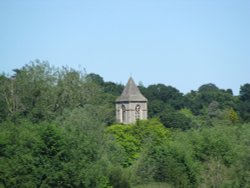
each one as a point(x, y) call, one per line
point(208, 94)
point(245, 92)
point(165, 94)
point(206, 88)
point(176, 120)
point(56, 131)
point(150, 131)
point(170, 117)
point(213, 109)
point(125, 138)
point(40, 92)
point(32, 155)
point(95, 78)
point(6, 99)
point(219, 149)
point(132, 138)
point(154, 185)
point(168, 162)
point(118, 178)
point(112, 88)
point(33, 92)
point(47, 155)
point(244, 105)
point(233, 116)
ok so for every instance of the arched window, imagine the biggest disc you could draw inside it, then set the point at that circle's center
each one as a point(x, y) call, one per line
point(137, 112)
point(123, 114)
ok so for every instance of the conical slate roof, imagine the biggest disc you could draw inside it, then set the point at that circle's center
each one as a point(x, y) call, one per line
point(131, 93)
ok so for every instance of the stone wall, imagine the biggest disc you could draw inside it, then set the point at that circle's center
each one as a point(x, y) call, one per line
point(128, 112)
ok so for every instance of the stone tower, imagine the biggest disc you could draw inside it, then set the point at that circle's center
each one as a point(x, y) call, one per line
point(131, 105)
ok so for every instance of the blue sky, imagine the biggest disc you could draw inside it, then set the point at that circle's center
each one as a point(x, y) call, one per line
point(183, 43)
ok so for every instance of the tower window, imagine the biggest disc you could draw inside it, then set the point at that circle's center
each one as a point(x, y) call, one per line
point(123, 113)
point(137, 112)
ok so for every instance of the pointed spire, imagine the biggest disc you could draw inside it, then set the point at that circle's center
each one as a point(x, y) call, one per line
point(131, 93)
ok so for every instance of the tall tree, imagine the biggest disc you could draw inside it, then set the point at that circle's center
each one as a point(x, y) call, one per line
point(245, 102)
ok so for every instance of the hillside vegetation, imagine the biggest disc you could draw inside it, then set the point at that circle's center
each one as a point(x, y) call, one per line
point(58, 129)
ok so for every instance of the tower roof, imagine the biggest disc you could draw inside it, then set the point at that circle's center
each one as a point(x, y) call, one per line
point(131, 93)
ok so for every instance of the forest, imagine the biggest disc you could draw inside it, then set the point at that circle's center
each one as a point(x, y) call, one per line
point(58, 129)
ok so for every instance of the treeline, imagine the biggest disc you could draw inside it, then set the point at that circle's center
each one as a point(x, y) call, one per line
point(41, 92)
point(58, 129)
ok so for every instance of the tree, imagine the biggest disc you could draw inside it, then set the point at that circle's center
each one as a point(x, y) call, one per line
point(97, 79)
point(199, 101)
point(245, 92)
point(169, 162)
point(112, 88)
point(165, 94)
point(174, 119)
point(132, 138)
point(35, 84)
point(32, 155)
point(233, 116)
point(155, 107)
point(213, 109)
point(244, 105)
point(7, 97)
point(208, 88)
